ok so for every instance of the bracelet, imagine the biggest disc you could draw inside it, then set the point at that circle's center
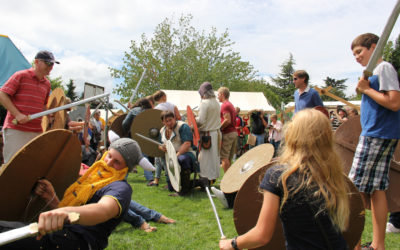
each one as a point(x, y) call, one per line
point(234, 243)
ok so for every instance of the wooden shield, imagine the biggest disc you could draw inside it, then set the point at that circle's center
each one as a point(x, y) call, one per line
point(54, 155)
point(245, 166)
point(248, 204)
point(192, 123)
point(173, 167)
point(56, 99)
point(346, 139)
point(148, 123)
point(116, 126)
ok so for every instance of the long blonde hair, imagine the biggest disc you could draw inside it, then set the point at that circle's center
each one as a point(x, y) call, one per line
point(309, 150)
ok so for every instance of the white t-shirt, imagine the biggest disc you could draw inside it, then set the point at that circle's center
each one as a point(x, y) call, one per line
point(387, 77)
point(165, 106)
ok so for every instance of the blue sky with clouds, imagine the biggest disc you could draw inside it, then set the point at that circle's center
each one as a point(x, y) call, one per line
point(90, 36)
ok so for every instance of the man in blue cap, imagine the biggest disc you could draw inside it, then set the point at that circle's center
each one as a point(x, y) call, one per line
point(26, 92)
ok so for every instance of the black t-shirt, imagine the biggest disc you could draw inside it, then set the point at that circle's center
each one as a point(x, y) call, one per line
point(299, 224)
point(97, 236)
point(257, 126)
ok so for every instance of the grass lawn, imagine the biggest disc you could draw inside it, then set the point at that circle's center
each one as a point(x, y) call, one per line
point(196, 227)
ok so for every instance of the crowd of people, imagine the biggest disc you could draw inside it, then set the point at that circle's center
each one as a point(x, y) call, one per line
point(306, 189)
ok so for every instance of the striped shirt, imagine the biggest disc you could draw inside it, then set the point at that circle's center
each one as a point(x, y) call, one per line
point(29, 95)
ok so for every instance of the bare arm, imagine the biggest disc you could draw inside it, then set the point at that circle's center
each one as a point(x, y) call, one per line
point(262, 233)
point(227, 120)
point(184, 148)
point(92, 214)
point(9, 105)
point(177, 114)
point(388, 99)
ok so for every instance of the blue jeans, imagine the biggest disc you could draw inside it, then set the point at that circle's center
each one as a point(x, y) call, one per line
point(260, 140)
point(137, 214)
point(276, 145)
point(149, 174)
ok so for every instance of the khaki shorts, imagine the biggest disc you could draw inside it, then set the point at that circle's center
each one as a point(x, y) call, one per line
point(228, 147)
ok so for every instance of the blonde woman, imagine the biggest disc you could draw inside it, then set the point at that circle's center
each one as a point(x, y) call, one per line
point(307, 190)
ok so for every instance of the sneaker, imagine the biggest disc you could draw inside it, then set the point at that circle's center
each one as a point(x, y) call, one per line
point(221, 196)
point(390, 228)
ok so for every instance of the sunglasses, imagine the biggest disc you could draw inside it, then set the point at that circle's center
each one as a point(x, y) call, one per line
point(48, 63)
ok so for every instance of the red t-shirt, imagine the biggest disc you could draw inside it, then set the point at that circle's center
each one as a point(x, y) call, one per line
point(227, 107)
point(29, 95)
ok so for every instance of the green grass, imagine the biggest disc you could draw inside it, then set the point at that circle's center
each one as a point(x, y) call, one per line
point(196, 227)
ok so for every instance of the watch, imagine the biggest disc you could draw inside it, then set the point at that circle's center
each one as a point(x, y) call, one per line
point(234, 243)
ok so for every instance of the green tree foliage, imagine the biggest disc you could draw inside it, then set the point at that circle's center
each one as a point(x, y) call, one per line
point(338, 88)
point(284, 86)
point(178, 56)
point(70, 92)
point(391, 53)
point(56, 83)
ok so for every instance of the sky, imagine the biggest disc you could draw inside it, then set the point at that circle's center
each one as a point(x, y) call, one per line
point(88, 37)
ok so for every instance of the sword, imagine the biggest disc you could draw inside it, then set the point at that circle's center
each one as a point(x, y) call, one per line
point(137, 86)
point(216, 214)
point(382, 41)
point(29, 231)
point(50, 111)
point(148, 139)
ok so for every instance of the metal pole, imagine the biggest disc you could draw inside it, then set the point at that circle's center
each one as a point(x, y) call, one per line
point(216, 213)
point(120, 103)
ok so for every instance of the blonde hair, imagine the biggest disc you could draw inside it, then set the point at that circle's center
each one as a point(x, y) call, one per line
point(309, 151)
point(224, 91)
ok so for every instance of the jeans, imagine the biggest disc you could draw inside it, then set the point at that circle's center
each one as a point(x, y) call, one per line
point(276, 145)
point(137, 214)
point(149, 174)
point(260, 140)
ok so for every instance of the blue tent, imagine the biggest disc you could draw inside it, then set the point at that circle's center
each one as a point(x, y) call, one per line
point(11, 59)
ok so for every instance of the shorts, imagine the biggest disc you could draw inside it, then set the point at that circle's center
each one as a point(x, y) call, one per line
point(370, 169)
point(228, 147)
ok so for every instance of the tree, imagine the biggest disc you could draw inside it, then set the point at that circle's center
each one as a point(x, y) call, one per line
point(70, 92)
point(56, 83)
point(180, 57)
point(284, 86)
point(391, 53)
point(338, 88)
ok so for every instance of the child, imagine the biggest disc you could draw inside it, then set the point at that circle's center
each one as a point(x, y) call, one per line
point(380, 122)
point(307, 188)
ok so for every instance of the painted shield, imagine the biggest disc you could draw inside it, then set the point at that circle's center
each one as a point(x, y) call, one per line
point(173, 167)
point(192, 123)
point(54, 155)
point(245, 166)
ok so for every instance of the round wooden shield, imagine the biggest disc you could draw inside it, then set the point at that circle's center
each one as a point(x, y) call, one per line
point(54, 155)
point(173, 167)
point(248, 204)
point(192, 123)
point(116, 126)
point(346, 139)
point(148, 123)
point(56, 99)
point(245, 166)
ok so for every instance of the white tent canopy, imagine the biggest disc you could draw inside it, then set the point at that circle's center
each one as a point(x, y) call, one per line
point(246, 101)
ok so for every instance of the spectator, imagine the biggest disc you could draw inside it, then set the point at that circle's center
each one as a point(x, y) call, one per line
point(304, 96)
point(275, 133)
point(229, 134)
